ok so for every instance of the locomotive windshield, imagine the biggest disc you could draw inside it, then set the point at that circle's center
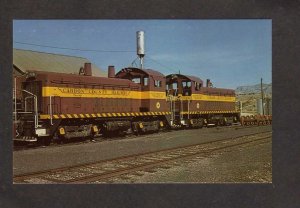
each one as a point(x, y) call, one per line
point(136, 80)
point(186, 88)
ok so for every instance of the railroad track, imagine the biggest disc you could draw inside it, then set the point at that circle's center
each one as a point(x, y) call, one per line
point(108, 170)
point(100, 138)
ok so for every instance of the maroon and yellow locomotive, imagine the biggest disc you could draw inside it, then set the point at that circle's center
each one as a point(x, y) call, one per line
point(61, 106)
point(194, 105)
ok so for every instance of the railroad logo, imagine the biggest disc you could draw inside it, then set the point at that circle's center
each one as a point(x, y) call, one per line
point(157, 105)
point(198, 105)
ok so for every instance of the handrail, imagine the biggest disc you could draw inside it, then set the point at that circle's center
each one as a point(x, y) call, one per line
point(188, 109)
point(15, 97)
point(25, 99)
point(36, 119)
point(51, 114)
point(181, 109)
point(171, 108)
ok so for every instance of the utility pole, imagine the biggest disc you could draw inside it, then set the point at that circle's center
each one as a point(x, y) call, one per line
point(262, 96)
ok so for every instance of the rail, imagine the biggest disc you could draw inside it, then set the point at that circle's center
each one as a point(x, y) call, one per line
point(140, 161)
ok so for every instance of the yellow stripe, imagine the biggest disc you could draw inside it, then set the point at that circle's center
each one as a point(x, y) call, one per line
point(44, 116)
point(203, 97)
point(100, 93)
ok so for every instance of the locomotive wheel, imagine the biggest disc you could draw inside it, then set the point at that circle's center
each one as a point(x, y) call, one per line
point(59, 139)
point(201, 123)
point(47, 140)
point(221, 122)
point(91, 136)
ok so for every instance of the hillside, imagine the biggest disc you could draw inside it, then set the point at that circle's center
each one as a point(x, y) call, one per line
point(249, 95)
point(254, 89)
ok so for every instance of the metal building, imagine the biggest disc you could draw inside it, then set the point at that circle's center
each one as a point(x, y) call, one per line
point(24, 60)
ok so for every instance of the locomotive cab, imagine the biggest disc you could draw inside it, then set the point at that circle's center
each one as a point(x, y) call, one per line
point(182, 85)
point(135, 75)
point(153, 84)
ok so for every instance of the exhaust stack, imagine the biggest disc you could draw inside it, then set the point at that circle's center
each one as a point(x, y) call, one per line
point(111, 72)
point(86, 70)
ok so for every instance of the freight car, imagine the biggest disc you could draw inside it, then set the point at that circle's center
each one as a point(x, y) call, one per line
point(59, 106)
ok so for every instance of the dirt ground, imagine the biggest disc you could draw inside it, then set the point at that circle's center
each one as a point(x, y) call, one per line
point(249, 164)
point(240, 164)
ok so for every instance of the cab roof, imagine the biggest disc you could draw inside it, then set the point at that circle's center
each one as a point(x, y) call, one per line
point(191, 78)
point(134, 70)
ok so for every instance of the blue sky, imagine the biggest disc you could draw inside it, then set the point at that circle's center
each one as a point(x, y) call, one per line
point(229, 52)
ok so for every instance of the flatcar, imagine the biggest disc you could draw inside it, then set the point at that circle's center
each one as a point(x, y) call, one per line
point(58, 107)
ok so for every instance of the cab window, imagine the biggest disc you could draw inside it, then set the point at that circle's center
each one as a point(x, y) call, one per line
point(186, 84)
point(136, 80)
point(174, 85)
point(197, 86)
point(186, 88)
point(157, 83)
point(146, 80)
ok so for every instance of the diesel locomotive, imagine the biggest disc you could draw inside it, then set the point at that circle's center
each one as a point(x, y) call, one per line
point(57, 106)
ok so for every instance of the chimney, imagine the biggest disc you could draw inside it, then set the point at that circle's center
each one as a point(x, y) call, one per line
point(111, 71)
point(208, 83)
point(87, 69)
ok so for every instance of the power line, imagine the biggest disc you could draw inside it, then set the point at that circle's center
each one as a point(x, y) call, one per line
point(75, 49)
point(92, 50)
point(162, 65)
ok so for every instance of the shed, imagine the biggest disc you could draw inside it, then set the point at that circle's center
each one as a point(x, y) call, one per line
point(26, 60)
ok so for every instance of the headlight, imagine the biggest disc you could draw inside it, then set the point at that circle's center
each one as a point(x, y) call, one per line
point(41, 132)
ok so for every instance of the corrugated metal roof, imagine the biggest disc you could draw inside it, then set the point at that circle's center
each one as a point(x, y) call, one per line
point(26, 60)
